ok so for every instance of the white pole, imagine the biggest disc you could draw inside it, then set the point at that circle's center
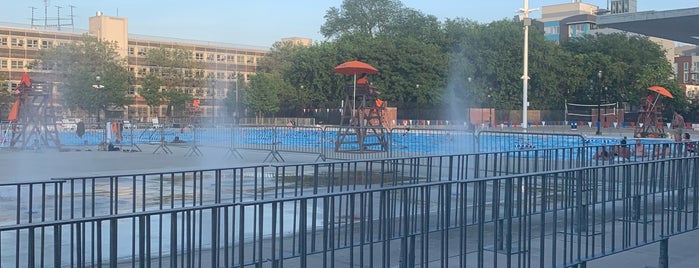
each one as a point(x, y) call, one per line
point(525, 77)
point(354, 96)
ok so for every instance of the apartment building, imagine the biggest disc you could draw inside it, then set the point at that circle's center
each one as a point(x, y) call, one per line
point(686, 70)
point(20, 45)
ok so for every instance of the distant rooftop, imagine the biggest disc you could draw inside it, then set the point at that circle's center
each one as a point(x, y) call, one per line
point(72, 30)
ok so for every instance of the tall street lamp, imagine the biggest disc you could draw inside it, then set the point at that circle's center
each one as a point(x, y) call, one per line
point(213, 100)
point(98, 85)
point(599, 104)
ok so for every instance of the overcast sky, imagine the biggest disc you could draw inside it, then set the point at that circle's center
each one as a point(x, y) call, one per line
point(263, 22)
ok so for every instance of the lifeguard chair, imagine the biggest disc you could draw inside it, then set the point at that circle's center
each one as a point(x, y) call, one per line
point(362, 124)
point(650, 122)
point(32, 116)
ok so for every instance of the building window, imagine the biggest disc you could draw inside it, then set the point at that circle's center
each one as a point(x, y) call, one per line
point(17, 64)
point(32, 43)
point(142, 71)
point(142, 51)
point(229, 58)
point(3, 64)
point(16, 42)
point(46, 67)
point(552, 29)
point(199, 56)
point(685, 72)
point(220, 75)
point(241, 59)
point(220, 57)
point(46, 43)
point(131, 50)
point(3, 41)
point(210, 57)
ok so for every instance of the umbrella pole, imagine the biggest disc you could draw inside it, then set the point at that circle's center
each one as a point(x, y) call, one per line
point(354, 96)
point(654, 101)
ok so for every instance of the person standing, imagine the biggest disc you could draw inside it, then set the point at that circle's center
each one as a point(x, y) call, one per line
point(678, 125)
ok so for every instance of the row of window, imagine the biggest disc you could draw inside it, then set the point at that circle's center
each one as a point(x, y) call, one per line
point(143, 71)
point(15, 42)
point(11, 64)
point(690, 73)
point(141, 51)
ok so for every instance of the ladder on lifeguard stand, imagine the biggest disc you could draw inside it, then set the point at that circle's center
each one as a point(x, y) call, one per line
point(362, 127)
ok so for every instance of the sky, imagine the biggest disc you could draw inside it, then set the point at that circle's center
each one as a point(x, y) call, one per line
point(263, 22)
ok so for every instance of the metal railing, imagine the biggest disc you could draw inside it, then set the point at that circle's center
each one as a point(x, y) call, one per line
point(398, 212)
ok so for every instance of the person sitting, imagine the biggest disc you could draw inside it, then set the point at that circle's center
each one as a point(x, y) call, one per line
point(177, 140)
point(621, 151)
point(638, 149)
point(362, 80)
point(688, 144)
point(661, 150)
point(602, 154)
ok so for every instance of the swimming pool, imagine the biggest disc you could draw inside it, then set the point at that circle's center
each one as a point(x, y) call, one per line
point(401, 140)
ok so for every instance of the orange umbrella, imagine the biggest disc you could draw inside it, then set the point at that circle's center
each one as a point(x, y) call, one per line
point(355, 67)
point(25, 80)
point(661, 91)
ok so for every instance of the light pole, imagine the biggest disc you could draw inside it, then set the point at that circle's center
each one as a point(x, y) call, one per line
point(599, 104)
point(98, 85)
point(236, 111)
point(525, 76)
point(213, 101)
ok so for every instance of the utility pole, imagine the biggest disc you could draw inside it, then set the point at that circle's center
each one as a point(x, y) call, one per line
point(525, 77)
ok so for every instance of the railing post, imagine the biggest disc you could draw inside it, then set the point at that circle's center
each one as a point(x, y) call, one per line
point(500, 235)
point(57, 245)
point(663, 259)
point(113, 242)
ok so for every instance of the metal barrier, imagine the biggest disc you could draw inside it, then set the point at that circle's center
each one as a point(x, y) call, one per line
point(491, 140)
point(397, 212)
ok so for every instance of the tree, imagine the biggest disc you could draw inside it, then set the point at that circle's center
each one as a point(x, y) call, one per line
point(76, 65)
point(6, 98)
point(174, 72)
point(261, 97)
point(630, 64)
point(367, 17)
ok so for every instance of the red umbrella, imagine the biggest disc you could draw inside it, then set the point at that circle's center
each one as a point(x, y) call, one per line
point(355, 67)
point(661, 91)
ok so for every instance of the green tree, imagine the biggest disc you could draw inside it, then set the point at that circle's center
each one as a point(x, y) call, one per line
point(262, 95)
point(76, 65)
point(630, 64)
point(6, 98)
point(367, 17)
point(173, 73)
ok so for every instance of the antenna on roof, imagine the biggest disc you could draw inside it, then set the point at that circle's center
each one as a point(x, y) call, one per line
point(33, 8)
point(59, 22)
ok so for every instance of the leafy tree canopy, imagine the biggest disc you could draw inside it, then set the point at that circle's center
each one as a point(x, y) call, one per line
point(76, 65)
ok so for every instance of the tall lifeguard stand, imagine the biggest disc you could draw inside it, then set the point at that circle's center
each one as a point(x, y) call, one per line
point(362, 124)
point(650, 120)
point(33, 118)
